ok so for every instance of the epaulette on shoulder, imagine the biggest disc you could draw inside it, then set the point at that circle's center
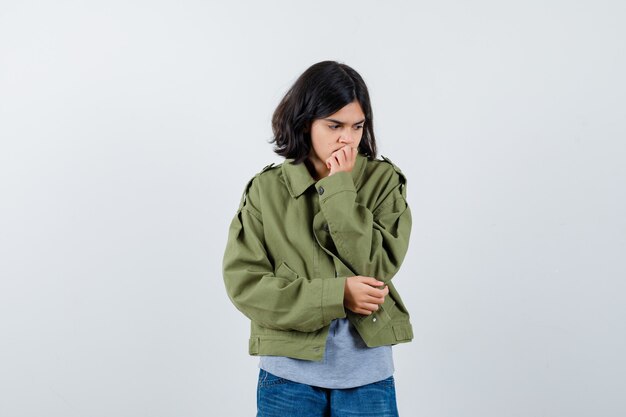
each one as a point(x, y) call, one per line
point(402, 176)
point(266, 167)
point(247, 187)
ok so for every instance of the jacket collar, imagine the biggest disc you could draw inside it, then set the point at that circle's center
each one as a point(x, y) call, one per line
point(298, 178)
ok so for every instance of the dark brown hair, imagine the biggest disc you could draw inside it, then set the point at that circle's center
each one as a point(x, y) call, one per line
point(323, 89)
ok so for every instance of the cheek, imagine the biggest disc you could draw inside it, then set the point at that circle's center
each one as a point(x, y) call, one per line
point(323, 144)
point(324, 139)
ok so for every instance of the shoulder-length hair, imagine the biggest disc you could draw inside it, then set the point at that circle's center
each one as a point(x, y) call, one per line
point(323, 89)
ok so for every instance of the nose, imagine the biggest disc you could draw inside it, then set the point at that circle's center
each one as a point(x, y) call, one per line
point(347, 137)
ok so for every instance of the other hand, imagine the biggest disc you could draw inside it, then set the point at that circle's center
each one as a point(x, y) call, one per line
point(361, 295)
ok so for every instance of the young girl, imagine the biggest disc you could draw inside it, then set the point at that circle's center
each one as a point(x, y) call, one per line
point(311, 253)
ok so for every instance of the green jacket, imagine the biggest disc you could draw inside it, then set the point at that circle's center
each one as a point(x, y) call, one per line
point(294, 241)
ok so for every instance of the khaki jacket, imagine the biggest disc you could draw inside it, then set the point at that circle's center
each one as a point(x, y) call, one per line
point(294, 241)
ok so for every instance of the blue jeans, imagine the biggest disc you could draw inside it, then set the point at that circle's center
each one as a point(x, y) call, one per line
point(280, 397)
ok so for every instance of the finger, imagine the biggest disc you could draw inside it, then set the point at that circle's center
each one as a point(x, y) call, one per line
point(351, 158)
point(353, 152)
point(374, 284)
point(370, 306)
point(376, 300)
point(377, 293)
point(340, 155)
point(331, 163)
point(349, 153)
point(384, 290)
point(370, 280)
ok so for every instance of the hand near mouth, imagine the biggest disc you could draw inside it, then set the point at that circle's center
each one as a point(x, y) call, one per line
point(342, 159)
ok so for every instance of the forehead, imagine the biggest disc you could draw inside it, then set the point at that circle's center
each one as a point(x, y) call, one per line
point(350, 113)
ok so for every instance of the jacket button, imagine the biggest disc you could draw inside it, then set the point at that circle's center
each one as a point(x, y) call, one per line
point(374, 319)
point(325, 227)
point(320, 190)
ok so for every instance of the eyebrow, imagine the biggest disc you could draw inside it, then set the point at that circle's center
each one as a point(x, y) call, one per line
point(340, 122)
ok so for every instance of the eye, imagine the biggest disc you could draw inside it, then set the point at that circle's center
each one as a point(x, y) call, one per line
point(333, 126)
point(360, 127)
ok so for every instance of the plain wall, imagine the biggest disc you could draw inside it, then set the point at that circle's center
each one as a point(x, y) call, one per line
point(129, 129)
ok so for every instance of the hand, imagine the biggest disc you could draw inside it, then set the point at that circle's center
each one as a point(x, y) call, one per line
point(342, 159)
point(361, 295)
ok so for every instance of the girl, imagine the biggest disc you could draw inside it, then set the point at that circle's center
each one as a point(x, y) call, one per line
point(311, 253)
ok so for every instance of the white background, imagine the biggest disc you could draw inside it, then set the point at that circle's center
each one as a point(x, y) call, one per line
point(129, 129)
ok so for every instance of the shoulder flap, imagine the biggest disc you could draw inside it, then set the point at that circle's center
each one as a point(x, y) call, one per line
point(266, 167)
point(242, 202)
point(402, 176)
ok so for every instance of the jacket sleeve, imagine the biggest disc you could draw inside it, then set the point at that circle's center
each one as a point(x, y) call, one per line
point(274, 302)
point(371, 243)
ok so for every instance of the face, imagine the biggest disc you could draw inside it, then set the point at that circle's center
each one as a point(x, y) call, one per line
point(333, 132)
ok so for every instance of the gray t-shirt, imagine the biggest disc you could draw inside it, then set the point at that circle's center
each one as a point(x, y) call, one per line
point(347, 363)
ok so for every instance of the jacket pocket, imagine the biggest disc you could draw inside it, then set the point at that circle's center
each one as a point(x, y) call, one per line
point(283, 271)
